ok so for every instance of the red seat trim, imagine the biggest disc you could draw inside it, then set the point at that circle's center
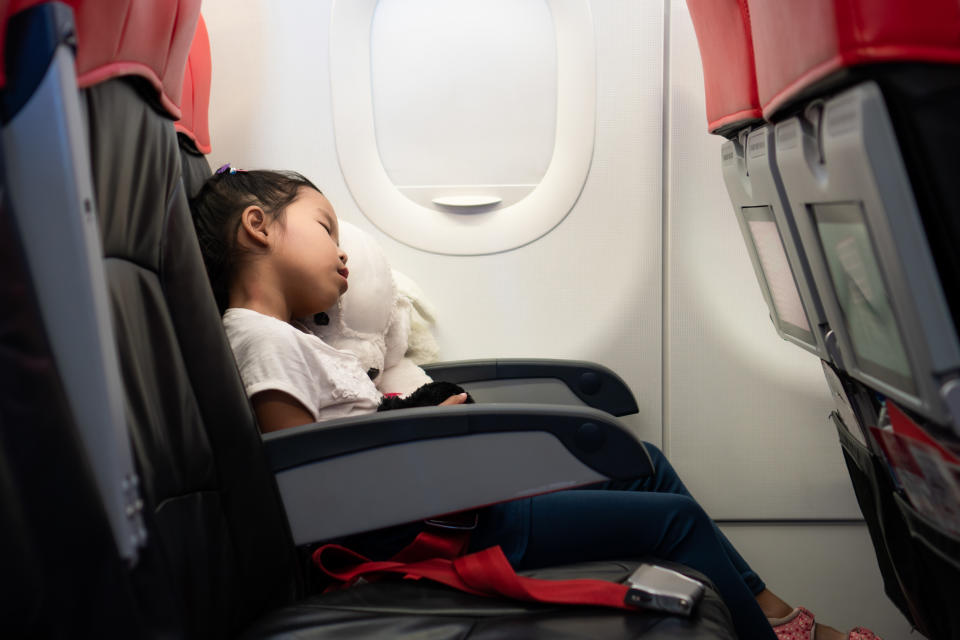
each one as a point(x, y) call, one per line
point(726, 52)
point(145, 38)
point(195, 104)
point(799, 43)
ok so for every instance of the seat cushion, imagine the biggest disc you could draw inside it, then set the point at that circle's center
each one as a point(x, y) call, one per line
point(421, 609)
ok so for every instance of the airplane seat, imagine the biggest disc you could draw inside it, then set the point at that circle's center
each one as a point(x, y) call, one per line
point(201, 543)
point(864, 100)
point(79, 514)
point(804, 54)
point(121, 165)
point(848, 201)
point(725, 39)
point(56, 576)
point(193, 127)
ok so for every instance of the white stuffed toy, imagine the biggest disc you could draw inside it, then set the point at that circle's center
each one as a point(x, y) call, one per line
point(387, 327)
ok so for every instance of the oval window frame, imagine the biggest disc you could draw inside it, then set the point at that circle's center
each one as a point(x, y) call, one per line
point(491, 230)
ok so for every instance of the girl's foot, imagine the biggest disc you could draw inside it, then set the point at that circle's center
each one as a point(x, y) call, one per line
point(824, 632)
point(800, 625)
point(797, 625)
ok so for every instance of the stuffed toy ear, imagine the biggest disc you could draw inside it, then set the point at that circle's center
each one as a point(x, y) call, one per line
point(371, 320)
point(422, 345)
point(401, 374)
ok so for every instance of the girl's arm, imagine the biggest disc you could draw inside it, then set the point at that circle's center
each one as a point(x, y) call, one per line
point(278, 410)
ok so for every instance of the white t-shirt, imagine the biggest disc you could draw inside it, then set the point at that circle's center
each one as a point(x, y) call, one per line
point(275, 355)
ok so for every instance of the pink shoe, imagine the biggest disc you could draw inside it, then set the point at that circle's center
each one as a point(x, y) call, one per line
point(797, 625)
point(861, 633)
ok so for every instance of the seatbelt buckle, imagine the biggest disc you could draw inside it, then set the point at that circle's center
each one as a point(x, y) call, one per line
point(461, 521)
point(661, 589)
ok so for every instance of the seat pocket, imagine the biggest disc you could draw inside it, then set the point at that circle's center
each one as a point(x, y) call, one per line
point(936, 554)
point(889, 534)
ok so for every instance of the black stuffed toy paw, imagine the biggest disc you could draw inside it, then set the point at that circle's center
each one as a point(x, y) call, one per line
point(429, 395)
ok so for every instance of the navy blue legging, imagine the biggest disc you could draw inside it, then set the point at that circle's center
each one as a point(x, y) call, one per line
point(655, 516)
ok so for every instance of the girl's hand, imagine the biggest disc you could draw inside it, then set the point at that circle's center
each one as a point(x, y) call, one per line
point(460, 398)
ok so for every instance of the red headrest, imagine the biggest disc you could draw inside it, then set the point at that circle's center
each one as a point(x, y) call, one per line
point(7, 9)
point(147, 38)
point(195, 105)
point(726, 51)
point(798, 43)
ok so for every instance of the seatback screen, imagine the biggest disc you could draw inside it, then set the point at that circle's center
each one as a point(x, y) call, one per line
point(863, 297)
point(777, 273)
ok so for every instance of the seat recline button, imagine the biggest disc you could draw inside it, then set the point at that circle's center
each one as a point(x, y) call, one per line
point(590, 383)
point(590, 437)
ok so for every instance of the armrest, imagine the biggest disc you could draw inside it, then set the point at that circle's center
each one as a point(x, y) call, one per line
point(359, 474)
point(593, 384)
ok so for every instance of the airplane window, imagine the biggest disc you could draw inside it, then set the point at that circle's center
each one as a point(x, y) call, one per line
point(777, 273)
point(484, 108)
point(862, 294)
point(491, 148)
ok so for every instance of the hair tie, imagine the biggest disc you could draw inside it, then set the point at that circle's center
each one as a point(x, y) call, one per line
point(227, 169)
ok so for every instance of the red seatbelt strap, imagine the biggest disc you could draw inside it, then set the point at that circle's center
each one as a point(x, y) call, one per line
point(446, 543)
point(484, 573)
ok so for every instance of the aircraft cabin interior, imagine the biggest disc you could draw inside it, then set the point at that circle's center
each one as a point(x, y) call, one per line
point(682, 275)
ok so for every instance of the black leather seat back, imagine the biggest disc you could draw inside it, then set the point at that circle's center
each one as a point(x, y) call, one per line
point(194, 165)
point(217, 516)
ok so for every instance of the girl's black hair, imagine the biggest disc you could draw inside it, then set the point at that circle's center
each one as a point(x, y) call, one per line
point(216, 213)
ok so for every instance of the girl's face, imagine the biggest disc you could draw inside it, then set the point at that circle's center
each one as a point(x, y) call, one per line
point(308, 257)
